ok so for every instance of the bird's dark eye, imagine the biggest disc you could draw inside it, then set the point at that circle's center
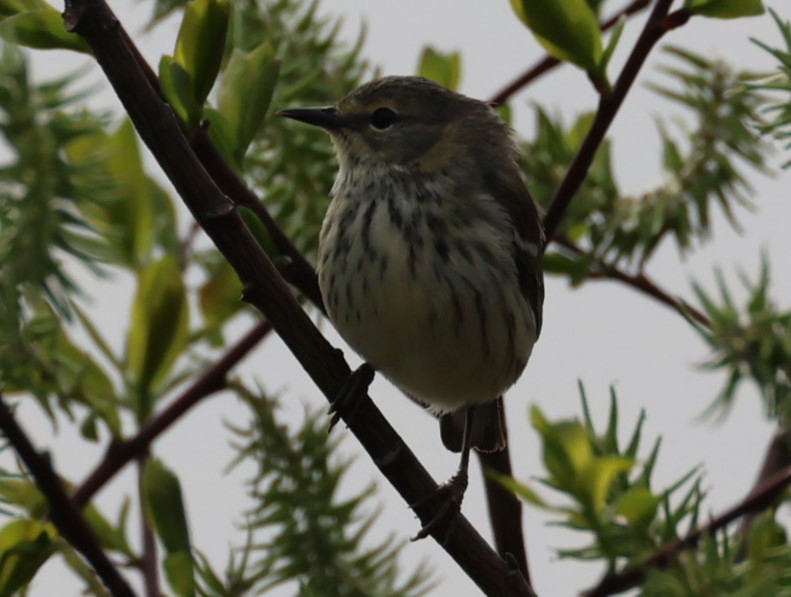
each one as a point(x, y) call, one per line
point(382, 118)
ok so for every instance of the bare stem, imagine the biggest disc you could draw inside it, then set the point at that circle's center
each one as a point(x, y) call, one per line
point(68, 519)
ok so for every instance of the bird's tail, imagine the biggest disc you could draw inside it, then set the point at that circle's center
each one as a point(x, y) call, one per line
point(488, 428)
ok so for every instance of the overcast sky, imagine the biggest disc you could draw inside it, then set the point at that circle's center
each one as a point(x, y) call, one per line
point(602, 334)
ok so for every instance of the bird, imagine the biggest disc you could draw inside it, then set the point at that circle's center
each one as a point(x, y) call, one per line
point(429, 256)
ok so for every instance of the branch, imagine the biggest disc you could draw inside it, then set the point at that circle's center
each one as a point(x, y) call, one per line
point(548, 62)
point(68, 519)
point(657, 25)
point(121, 453)
point(266, 290)
point(641, 283)
point(299, 272)
point(761, 497)
point(777, 458)
point(505, 510)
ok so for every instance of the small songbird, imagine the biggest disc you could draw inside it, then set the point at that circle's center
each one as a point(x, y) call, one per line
point(430, 253)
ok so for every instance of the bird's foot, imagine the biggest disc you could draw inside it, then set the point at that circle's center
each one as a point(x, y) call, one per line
point(447, 506)
point(353, 390)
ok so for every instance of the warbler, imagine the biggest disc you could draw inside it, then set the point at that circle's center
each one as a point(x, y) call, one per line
point(429, 257)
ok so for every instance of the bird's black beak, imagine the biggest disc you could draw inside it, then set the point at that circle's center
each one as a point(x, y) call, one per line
point(326, 118)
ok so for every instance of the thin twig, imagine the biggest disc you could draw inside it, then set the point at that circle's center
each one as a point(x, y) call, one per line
point(640, 282)
point(68, 519)
point(548, 62)
point(121, 453)
point(777, 458)
point(265, 289)
point(758, 499)
point(657, 25)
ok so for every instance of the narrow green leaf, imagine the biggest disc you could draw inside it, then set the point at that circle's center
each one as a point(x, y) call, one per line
point(520, 489)
point(441, 67)
point(160, 326)
point(639, 506)
point(42, 29)
point(180, 572)
point(178, 88)
point(24, 546)
point(96, 336)
point(201, 42)
point(245, 93)
point(219, 297)
point(567, 29)
point(596, 478)
point(725, 9)
point(165, 506)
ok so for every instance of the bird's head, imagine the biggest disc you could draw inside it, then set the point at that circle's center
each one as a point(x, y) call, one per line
point(400, 120)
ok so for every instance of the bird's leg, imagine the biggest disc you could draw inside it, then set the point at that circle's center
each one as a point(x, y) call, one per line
point(352, 392)
point(451, 493)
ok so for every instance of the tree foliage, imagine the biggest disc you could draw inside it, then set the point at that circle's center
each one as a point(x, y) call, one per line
point(74, 192)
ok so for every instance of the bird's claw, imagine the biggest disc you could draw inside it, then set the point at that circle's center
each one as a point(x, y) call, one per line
point(351, 394)
point(448, 498)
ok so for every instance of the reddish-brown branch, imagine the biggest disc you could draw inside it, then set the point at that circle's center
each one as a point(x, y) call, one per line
point(758, 499)
point(548, 62)
point(121, 453)
point(641, 283)
point(777, 458)
point(657, 25)
point(68, 519)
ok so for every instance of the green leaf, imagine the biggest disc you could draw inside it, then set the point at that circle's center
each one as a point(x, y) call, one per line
point(178, 88)
point(248, 83)
point(567, 448)
point(520, 489)
point(725, 9)
point(258, 229)
point(223, 135)
point(160, 327)
point(567, 29)
point(165, 507)
point(42, 29)
point(219, 297)
point(24, 546)
point(615, 36)
point(765, 534)
point(639, 506)
point(180, 572)
point(201, 42)
point(440, 67)
point(595, 480)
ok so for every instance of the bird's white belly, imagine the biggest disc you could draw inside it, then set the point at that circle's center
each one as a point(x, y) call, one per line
point(447, 333)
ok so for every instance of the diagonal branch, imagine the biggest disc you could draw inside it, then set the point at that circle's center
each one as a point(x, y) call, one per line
point(641, 283)
point(266, 290)
point(68, 519)
point(659, 23)
point(120, 453)
point(547, 63)
point(762, 496)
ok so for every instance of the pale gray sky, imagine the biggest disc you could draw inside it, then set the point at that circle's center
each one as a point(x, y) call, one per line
point(602, 334)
